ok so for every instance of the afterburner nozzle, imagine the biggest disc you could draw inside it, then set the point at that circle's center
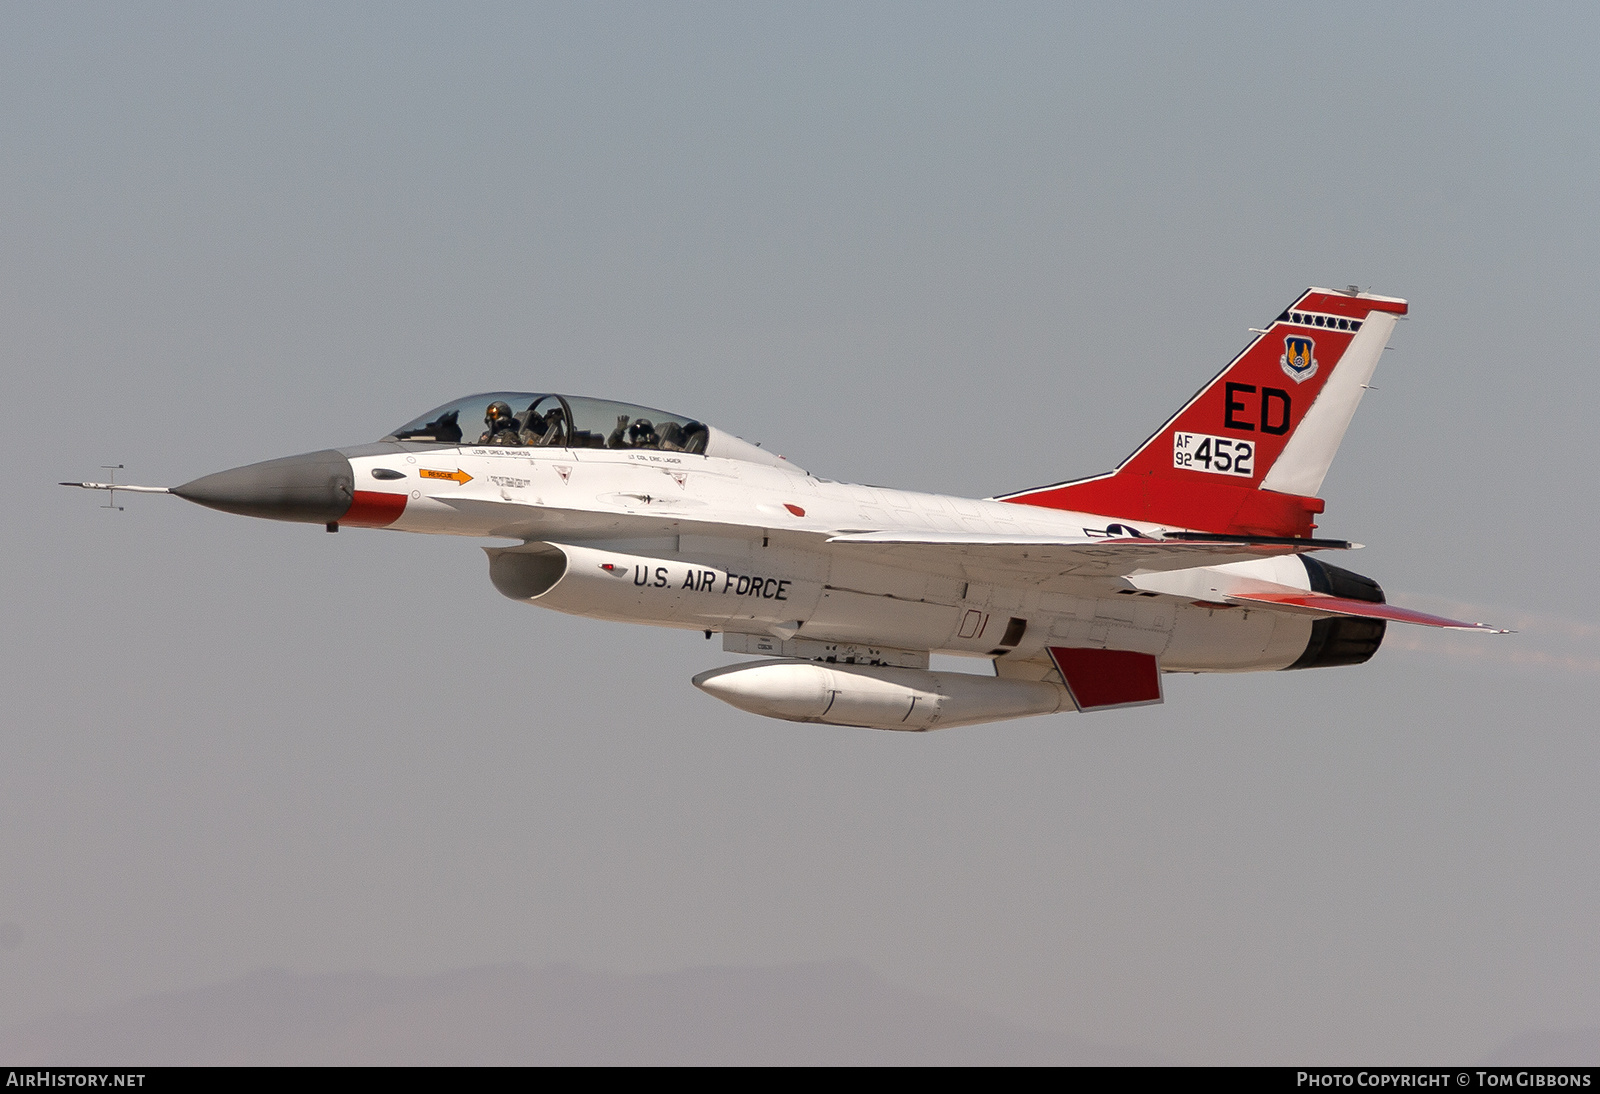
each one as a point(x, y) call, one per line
point(316, 488)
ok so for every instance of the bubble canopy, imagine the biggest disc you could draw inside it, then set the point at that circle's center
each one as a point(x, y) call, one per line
point(527, 419)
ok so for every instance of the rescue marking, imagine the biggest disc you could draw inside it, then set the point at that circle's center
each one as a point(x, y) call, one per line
point(457, 476)
point(1218, 455)
point(507, 480)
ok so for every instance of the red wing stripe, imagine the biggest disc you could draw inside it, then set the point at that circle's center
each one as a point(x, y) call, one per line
point(1338, 605)
point(1106, 679)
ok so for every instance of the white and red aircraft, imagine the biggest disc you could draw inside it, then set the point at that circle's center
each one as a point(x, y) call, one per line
point(1194, 555)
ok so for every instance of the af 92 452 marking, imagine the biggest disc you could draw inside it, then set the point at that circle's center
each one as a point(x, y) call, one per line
point(1218, 455)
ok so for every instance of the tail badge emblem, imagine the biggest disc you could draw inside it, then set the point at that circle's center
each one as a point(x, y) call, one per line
point(1297, 360)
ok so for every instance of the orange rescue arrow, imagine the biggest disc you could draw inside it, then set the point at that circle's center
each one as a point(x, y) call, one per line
point(456, 476)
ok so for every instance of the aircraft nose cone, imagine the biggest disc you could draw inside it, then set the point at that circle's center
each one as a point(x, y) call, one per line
point(315, 488)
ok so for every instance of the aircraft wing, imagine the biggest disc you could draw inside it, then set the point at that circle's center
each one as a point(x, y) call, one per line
point(1053, 556)
point(1038, 558)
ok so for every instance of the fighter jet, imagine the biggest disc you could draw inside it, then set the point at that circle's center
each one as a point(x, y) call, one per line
point(1196, 554)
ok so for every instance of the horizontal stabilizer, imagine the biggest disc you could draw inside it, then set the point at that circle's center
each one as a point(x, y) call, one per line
point(1321, 604)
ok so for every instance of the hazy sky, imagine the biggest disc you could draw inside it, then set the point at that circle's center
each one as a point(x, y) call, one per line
point(965, 248)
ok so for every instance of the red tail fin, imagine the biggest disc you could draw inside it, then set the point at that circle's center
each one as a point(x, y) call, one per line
point(1245, 454)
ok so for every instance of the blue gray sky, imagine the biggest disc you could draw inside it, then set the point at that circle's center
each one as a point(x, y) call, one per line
point(962, 248)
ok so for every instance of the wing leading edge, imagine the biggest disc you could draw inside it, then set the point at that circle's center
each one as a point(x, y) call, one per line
point(1081, 557)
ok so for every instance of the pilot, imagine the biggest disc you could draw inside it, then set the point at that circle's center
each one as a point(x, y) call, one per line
point(672, 438)
point(534, 428)
point(542, 430)
point(501, 426)
point(642, 434)
point(618, 437)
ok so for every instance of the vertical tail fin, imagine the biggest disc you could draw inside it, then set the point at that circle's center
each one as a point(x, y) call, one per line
point(1246, 455)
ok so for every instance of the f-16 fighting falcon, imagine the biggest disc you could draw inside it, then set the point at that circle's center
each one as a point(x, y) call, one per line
point(1197, 554)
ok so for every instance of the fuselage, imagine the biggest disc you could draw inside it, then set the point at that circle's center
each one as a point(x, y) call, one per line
point(740, 546)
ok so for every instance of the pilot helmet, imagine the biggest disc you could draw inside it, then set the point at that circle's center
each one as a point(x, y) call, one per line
point(498, 416)
point(641, 428)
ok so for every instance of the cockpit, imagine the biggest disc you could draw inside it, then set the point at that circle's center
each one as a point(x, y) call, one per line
point(523, 419)
point(526, 419)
